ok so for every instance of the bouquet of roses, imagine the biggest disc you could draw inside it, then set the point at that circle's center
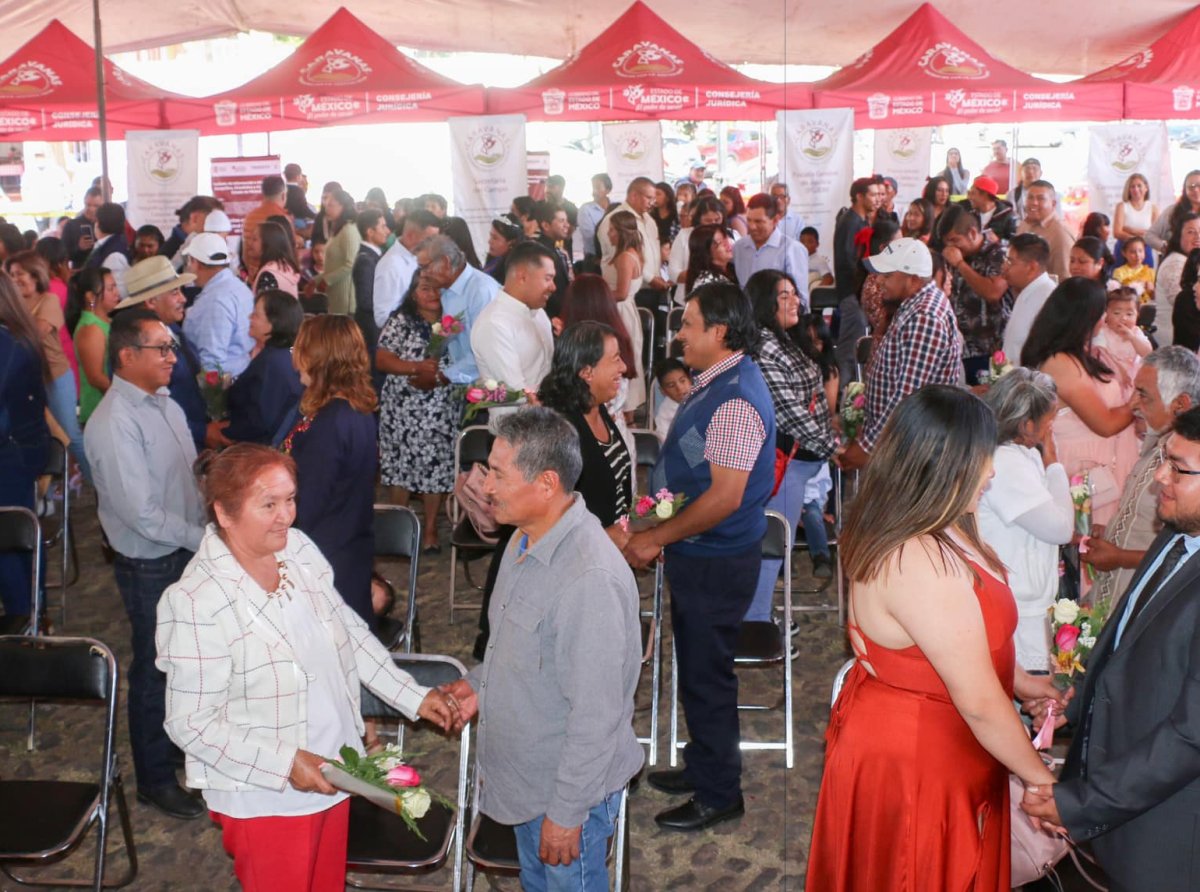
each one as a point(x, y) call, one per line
point(854, 408)
point(442, 331)
point(999, 366)
point(663, 505)
point(214, 387)
point(1081, 497)
point(486, 394)
point(1074, 629)
point(386, 780)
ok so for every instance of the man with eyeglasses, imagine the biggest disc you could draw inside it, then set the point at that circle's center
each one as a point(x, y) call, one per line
point(141, 452)
point(218, 324)
point(1131, 781)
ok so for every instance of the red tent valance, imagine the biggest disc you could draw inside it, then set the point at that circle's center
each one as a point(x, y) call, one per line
point(640, 68)
point(928, 72)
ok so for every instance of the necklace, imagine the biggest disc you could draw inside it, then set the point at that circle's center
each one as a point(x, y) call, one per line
point(285, 586)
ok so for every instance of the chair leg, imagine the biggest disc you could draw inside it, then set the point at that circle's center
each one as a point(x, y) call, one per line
point(674, 746)
point(656, 664)
point(453, 574)
point(621, 859)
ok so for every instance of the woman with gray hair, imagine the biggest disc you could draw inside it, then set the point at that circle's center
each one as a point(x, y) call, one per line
point(1026, 513)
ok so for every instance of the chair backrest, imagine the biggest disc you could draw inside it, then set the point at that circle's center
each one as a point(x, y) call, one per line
point(777, 543)
point(647, 319)
point(674, 319)
point(1147, 313)
point(19, 530)
point(56, 459)
point(840, 679)
point(823, 297)
point(647, 446)
point(397, 531)
point(56, 669)
point(474, 444)
point(862, 350)
point(429, 670)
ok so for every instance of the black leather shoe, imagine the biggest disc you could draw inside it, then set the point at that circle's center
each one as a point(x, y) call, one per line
point(673, 782)
point(693, 815)
point(174, 801)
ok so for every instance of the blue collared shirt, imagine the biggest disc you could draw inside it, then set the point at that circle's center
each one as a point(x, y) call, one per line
point(791, 224)
point(1190, 543)
point(784, 254)
point(218, 324)
point(471, 292)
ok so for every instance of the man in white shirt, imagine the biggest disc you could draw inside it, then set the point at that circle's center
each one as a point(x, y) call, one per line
point(112, 248)
point(1025, 272)
point(512, 339)
point(395, 270)
point(590, 215)
point(639, 200)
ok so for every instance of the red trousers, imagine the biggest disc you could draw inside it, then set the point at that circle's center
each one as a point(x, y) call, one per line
point(294, 854)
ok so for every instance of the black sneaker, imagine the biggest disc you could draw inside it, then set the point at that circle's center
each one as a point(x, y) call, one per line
point(822, 567)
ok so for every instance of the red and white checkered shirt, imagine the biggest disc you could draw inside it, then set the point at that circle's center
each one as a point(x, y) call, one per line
point(736, 432)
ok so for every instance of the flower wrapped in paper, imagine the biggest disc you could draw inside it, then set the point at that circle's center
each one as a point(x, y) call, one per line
point(385, 779)
point(487, 394)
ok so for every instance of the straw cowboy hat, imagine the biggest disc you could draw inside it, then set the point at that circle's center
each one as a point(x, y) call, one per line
point(150, 278)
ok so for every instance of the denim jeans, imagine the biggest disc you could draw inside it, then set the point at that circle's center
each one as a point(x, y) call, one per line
point(588, 872)
point(815, 534)
point(141, 582)
point(61, 399)
point(789, 502)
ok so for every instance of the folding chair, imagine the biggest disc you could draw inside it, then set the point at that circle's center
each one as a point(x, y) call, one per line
point(56, 529)
point(380, 842)
point(647, 447)
point(823, 297)
point(840, 679)
point(759, 644)
point(21, 532)
point(492, 847)
point(647, 319)
point(674, 323)
point(473, 445)
point(862, 356)
point(43, 821)
point(398, 535)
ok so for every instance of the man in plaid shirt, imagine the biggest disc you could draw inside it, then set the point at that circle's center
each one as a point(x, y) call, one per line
point(921, 345)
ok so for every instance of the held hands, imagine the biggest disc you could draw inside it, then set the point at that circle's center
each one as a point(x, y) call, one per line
point(439, 710)
point(463, 699)
point(306, 774)
point(1035, 692)
point(1039, 804)
point(641, 550)
point(1101, 554)
point(559, 845)
point(851, 457)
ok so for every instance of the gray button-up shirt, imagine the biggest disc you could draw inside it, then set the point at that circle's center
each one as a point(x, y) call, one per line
point(556, 686)
point(141, 453)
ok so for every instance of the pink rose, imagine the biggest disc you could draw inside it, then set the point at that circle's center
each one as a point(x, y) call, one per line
point(403, 776)
point(859, 401)
point(999, 358)
point(1065, 638)
point(212, 379)
point(644, 506)
point(447, 321)
point(475, 394)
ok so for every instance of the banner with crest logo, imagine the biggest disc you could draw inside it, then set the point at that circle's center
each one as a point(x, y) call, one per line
point(164, 172)
point(903, 154)
point(1118, 151)
point(816, 160)
point(487, 161)
point(632, 149)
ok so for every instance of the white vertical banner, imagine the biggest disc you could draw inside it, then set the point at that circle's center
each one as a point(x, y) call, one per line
point(903, 154)
point(487, 162)
point(164, 172)
point(816, 160)
point(1118, 150)
point(631, 150)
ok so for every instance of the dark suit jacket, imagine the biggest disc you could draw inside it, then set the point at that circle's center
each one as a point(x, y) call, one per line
point(263, 396)
point(363, 275)
point(1131, 782)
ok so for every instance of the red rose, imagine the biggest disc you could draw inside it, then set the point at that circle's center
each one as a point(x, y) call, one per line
point(1065, 638)
point(212, 379)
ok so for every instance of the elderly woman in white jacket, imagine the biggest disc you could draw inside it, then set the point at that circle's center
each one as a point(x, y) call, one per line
point(1026, 513)
point(264, 661)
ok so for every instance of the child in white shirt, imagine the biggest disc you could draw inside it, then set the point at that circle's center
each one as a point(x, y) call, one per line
point(676, 383)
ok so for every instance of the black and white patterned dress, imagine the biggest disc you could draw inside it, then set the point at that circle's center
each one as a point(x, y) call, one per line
point(416, 427)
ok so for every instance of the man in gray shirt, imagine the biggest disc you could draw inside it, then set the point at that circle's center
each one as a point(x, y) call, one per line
point(555, 690)
point(141, 453)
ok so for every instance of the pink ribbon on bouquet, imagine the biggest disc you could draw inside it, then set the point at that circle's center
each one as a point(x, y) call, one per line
point(1045, 737)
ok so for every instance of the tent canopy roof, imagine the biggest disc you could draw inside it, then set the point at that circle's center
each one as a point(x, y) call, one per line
point(1026, 33)
point(1173, 57)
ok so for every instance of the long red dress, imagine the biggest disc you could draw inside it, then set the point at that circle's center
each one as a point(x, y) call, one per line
point(909, 801)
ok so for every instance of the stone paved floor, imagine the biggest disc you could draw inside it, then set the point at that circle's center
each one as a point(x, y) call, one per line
point(766, 850)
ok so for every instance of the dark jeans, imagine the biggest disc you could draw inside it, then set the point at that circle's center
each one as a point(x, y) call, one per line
point(709, 597)
point(141, 582)
point(852, 326)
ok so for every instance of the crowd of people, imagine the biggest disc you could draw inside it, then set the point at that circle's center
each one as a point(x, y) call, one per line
point(237, 403)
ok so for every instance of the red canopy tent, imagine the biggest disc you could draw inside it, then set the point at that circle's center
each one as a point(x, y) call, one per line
point(1161, 81)
point(928, 72)
point(48, 91)
point(343, 73)
point(640, 68)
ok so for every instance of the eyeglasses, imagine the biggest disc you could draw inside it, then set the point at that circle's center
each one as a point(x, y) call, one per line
point(164, 350)
point(1173, 467)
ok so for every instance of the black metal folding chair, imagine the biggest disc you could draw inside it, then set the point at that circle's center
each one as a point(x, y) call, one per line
point(21, 533)
point(823, 297)
point(472, 447)
point(56, 528)
point(381, 843)
point(647, 447)
point(43, 821)
point(647, 319)
point(398, 535)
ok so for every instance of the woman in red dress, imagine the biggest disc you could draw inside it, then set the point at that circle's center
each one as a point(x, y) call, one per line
point(914, 796)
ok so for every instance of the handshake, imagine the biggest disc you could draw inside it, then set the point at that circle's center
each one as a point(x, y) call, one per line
point(1039, 804)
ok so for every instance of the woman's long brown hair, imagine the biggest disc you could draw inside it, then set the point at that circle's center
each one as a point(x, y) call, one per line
point(331, 350)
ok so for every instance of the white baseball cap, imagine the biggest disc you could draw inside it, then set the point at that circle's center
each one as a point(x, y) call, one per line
point(218, 221)
point(905, 255)
point(208, 248)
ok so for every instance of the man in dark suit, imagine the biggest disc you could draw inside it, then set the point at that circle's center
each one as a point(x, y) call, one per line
point(1131, 782)
point(373, 227)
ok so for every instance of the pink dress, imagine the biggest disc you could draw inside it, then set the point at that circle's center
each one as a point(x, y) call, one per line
point(1108, 460)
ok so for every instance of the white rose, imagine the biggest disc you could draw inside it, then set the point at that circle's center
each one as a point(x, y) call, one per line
point(1065, 610)
point(664, 510)
point(437, 328)
point(416, 802)
point(491, 384)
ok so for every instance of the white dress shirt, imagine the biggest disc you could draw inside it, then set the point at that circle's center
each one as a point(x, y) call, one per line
point(1025, 309)
point(393, 275)
point(512, 343)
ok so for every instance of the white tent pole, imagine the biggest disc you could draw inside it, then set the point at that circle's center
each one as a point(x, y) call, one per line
point(105, 184)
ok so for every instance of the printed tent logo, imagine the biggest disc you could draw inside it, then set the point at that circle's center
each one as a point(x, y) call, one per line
point(947, 61)
point(648, 59)
point(29, 79)
point(334, 67)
